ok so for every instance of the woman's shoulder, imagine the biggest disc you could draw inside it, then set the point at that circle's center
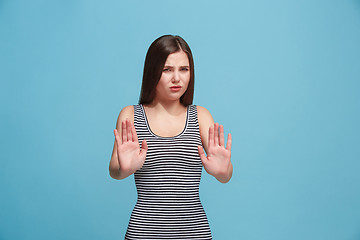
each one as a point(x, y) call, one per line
point(202, 110)
point(127, 110)
point(126, 113)
point(204, 115)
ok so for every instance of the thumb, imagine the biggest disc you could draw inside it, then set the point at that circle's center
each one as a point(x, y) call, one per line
point(144, 148)
point(202, 155)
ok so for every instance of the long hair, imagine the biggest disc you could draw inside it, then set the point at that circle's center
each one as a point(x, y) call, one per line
point(155, 60)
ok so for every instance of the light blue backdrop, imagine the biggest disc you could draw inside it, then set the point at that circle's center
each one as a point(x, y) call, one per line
point(282, 76)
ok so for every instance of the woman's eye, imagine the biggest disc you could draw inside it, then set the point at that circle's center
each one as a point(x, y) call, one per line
point(166, 70)
point(185, 69)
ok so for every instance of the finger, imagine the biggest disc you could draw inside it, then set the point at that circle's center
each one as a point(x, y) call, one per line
point(222, 141)
point(229, 141)
point(216, 134)
point(124, 133)
point(128, 128)
point(117, 138)
point(202, 155)
point(211, 136)
point(134, 135)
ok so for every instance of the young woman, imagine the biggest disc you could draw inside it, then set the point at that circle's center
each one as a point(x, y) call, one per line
point(162, 140)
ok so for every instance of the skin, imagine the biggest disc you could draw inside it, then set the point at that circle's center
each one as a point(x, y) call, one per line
point(167, 117)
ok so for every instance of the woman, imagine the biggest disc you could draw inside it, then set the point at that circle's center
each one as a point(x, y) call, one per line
point(161, 142)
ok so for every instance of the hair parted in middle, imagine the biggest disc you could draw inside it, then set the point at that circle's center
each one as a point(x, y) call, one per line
point(155, 60)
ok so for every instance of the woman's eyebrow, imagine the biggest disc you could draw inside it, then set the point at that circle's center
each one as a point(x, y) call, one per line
point(171, 66)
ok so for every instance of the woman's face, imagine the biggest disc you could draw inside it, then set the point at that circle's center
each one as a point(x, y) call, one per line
point(175, 77)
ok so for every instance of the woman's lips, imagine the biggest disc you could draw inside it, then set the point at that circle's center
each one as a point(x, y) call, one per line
point(175, 89)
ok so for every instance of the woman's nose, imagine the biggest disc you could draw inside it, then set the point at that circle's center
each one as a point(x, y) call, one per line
point(176, 76)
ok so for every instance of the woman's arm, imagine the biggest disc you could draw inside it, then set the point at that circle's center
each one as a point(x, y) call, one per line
point(126, 156)
point(114, 166)
point(218, 160)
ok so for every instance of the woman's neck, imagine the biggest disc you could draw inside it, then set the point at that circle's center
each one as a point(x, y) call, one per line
point(171, 107)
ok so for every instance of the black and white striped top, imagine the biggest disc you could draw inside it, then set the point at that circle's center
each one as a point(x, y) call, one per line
point(168, 204)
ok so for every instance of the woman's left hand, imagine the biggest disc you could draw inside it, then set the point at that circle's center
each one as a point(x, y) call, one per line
point(217, 162)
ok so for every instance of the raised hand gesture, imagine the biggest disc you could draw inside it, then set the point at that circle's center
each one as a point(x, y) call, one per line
point(217, 162)
point(130, 157)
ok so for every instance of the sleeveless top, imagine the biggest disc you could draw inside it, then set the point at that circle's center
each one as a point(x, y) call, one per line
point(168, 204)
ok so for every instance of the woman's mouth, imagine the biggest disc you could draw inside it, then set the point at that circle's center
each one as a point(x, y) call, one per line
point(175, 88)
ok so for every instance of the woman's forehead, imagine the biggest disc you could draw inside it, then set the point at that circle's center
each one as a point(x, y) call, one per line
point(177, 59)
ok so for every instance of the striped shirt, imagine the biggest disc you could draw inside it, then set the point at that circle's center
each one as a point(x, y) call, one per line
point(168, 204)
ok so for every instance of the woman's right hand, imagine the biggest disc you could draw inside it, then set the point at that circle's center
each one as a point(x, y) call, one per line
point(131, 158)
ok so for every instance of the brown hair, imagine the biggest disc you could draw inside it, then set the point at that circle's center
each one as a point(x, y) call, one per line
point(155, 60)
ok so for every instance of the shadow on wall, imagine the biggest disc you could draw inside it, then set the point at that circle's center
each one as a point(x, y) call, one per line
point(357, 235)
point(357, 2)
point(1, 6)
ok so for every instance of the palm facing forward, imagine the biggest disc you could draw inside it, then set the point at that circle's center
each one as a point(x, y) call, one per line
point(130, 157)
point(217, 162)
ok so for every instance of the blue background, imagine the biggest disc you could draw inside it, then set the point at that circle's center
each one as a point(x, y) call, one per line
point(282, 76)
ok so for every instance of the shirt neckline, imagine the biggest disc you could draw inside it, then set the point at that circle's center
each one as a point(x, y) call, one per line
point(158, 136)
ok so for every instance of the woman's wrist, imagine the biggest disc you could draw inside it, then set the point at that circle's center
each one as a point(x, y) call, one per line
point(225, 176)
